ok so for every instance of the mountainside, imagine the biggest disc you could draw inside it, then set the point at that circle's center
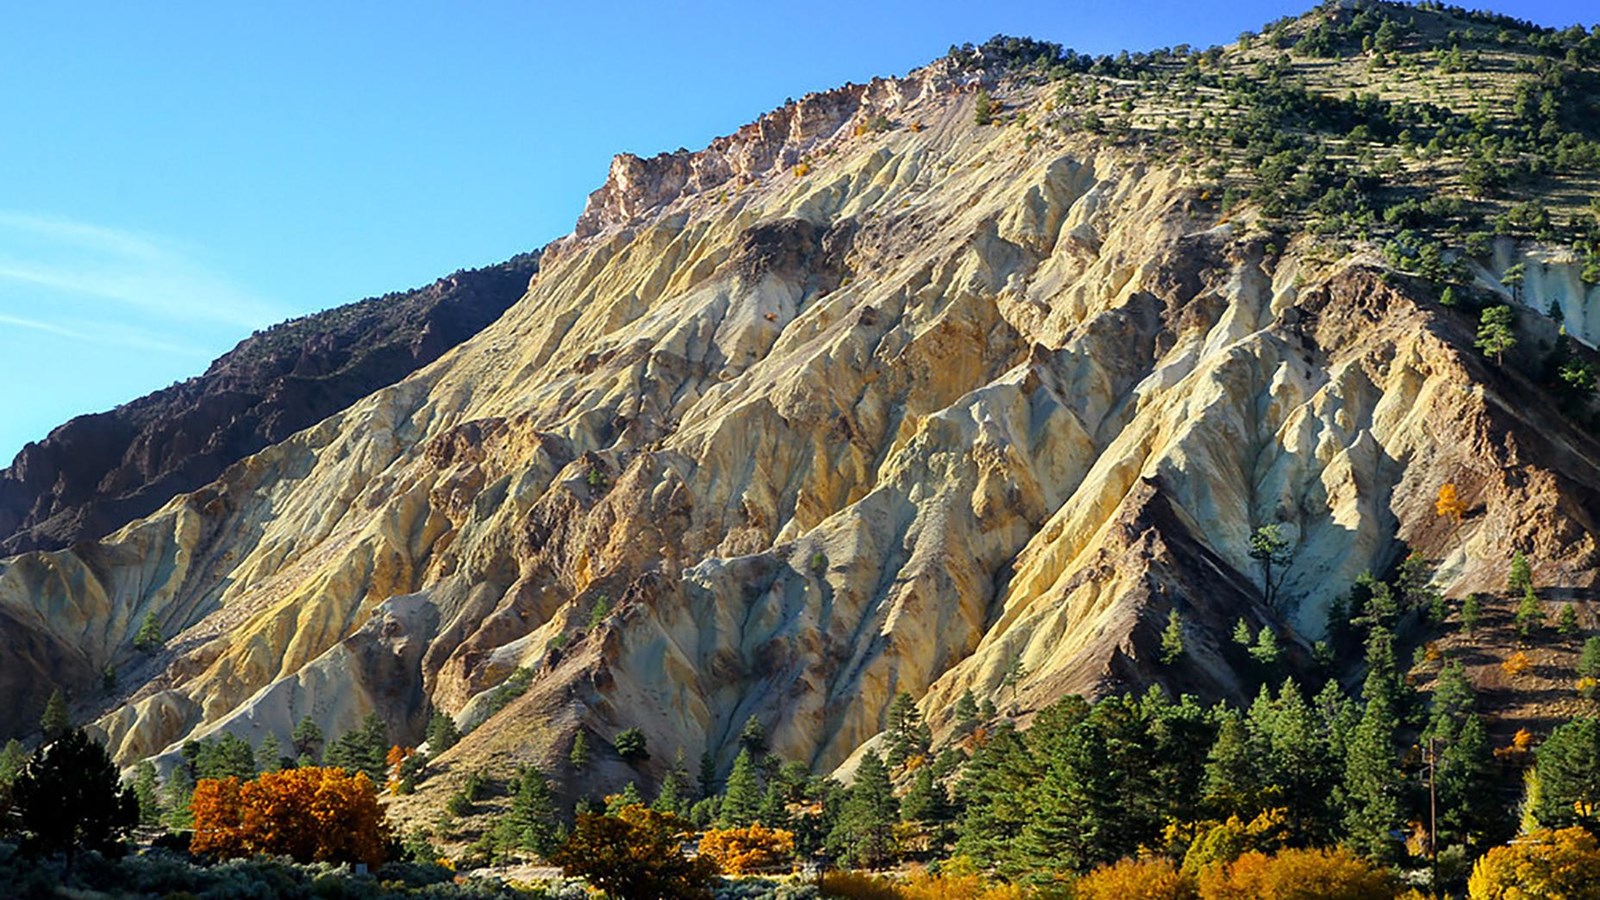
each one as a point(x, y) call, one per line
point(958, 381)
point(99, 472)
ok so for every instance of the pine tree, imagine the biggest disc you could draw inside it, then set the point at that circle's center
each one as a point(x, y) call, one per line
point(864, 834)
point(753, 737)
point(966, 714)
point(147, 791)
point(1242, 635)
point(149, 638)
point(1451, 704)
point(1471, 613)
point(364, 748)
point(1530, 614)
point(631, 745)
point(442, 733)
point(1569, 776)
point(307, 738)
point(1497, 332)
point(989, 794)
point(1520, 579)
point(54, 723)
point(1470, 811)
point(1373, 783)
point(1567, 622)
point(269, 756)
point(578, 756)
point(670, 799)
point(69, 798)
point(12, 758)
point(708, 775)
point(1172, 638)
point(1266, 652)
point(175, 797)
point(741, 802)
point(1270, 548)
point(907, 735)
point(629, 796)
point(1232, 773)
point(1589, 658)
point(530, 823)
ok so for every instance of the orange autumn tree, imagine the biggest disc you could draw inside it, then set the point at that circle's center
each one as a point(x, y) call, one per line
point(1544, 864)
point(310, 814)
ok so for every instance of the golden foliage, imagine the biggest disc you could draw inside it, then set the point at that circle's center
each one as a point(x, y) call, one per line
point(1335, 874)
point(310, 814)
point(1544, 864)
point(1517, 750)
point(961, 884)
point(858, 886)
point(638, 852)
point(1222, 842)
point(1151, 879)
point(1448, 504)
point(753, 849)
point(1518, 663)
point(802, 170)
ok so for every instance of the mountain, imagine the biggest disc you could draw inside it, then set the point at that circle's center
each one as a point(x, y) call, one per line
point(99, 472)
point(964, 380)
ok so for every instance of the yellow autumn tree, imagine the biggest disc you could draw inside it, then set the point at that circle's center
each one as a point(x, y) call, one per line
point(1448, 504)
point(752, 849)
point(1544, 864)
point(1151, 879)
point(310, 814)
point(1335, 874)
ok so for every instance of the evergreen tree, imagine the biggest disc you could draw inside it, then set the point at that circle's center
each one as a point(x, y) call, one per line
point(990, 795)
point(1497, 332)
point(1589, 658)
point(1520, 578)
point(1300, 766)
point(1015, 673)
point(442, 733)
point(1569, 776)
point(1267, 653)
point(149, 638)
point(1567, 623)
point(175, 797)
point(1470, 811)
point(364, 748)
point(1172, 638)
point(1451, 704)
point(670, 799)
point(1471, 613)
point(12, 758)
point(578, 756)
point(55, 723)
point(307, 738)
point(1373, 783)
point(530, 823)
point(1530, 614)
point(1270, 548)
point(864, 834)
point(907, 735)
point(147, 790)
point(966, 715)
point(1242, 635)
point(629, 796)
point(631, 745)
point(1232, 776)
point(708, 775)
point(69, 798)
point(269, 756)
point(741, 803)
point(753, 737)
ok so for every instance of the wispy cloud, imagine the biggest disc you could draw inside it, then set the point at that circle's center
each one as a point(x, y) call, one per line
point(99, 334)
point(150, 277)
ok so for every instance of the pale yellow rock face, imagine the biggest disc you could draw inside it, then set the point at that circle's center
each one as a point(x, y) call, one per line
point(955, 395)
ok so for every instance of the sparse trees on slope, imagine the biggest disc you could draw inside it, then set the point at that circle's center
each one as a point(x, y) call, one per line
point(1496, 332)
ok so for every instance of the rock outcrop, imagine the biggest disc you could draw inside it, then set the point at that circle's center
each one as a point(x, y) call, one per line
point(99, 472)
point(826, 412)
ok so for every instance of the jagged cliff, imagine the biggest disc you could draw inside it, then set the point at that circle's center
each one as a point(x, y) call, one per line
point(99, 472)
point(864, 398)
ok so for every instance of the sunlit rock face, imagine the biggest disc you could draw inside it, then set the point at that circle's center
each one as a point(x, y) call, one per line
point(814, 416)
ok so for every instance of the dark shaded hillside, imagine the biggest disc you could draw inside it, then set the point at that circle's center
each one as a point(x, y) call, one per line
point(98, 472)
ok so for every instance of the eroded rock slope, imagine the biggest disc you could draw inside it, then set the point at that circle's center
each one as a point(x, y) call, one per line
point(819, 414)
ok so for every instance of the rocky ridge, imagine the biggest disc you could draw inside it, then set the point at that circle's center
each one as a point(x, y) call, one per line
point(825, 412)
point(99, 472)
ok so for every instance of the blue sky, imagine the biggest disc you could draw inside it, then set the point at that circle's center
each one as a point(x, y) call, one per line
point(174, 175)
